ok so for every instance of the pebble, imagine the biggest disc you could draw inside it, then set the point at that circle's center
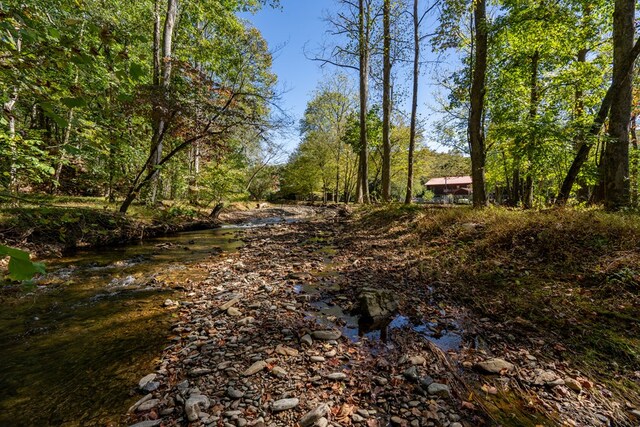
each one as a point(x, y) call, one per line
point(234, 394)
point(317, 359)
point(148, 405)
point(284, 404)
point(193, 404)
point(146, 380)
point(306, 339)
point(337, 376)
point(286, 351)
point(232, 311)
point(439, 389)
point(255, 368)
point(330, 335)
point(149, 423)
point(314, 415)
point(495, 366)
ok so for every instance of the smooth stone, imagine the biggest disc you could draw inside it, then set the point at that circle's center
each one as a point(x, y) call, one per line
point(573, 384)
point(328, 335)
point(322, 422)
point(306, 339)
point(146, 380)
point(193, 404)
point(246, 321)
point(545, 378)
point(439, 389)
point(151, 386)
point(279, 372)
point(337, 376)
point(314, 415)
point(234, 394)
point(150, 423)
point(255, 368)
point(397, 421)
point(140, 402)
point(286, 351)
point(148, 405)
point(317, 359)
point(227, 305)
point(357, 418)
point(495, 366)
point(412, 374)
point(232, 311)
point(417, 360)
point(284, 404)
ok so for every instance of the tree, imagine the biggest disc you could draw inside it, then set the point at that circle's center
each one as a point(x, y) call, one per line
point(476, 113)
point(615, 161)
point(414, 102)
point(386, 104)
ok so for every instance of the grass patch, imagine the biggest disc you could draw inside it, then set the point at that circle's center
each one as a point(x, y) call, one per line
point(570, 276)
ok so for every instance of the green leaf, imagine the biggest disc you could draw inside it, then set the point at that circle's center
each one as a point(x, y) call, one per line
point(136, 71)
point(20, 265)
point(74, 102)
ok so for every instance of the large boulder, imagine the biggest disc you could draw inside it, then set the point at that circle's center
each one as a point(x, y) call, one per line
point(377, 304)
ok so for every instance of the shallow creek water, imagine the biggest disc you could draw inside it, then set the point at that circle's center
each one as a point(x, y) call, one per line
point(73, 350)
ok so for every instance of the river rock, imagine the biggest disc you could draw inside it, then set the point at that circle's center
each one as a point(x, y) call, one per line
point(377, 304)
point(284, 404)
point(286, 351)
point(255, 368)
point(229, 304)
point(232, 311)
point(148, 405)
point(306, 339)
point(330, 335)
point(337, 376)
point(279, 372)
point(234, 394)
point(322, 422)
point(317, 359)
point(438, 389)
point(495, 366)
point(547, 378)
point(573, 384)
point(146, 380)
point(149, 423)
point(312, 416)
point(194, 404)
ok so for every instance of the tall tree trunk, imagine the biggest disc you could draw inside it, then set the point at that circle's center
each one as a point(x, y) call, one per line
point(160, 124)
point(476, 131)
point(414, 102)
point(386, 105)
point(616, 156)
point(624, 72)
point(363, 170)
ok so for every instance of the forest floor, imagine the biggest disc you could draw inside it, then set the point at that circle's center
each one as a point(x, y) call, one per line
point(505, 318)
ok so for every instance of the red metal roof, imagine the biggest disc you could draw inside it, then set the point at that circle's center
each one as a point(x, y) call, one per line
point(451, 180)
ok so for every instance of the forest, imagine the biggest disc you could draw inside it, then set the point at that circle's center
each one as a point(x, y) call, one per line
point(182, 243)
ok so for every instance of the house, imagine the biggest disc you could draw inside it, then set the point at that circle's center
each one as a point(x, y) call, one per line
point(452, 185)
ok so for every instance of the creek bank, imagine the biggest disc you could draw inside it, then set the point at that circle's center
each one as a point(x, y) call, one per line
point(438, 365)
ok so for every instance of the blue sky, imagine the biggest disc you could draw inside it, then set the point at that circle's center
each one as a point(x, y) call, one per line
point(299, 23)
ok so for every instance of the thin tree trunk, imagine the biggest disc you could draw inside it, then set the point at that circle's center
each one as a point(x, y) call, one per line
point(386, 105)
point(476, 131)
point(363, 170)
point(527, 194)
point(414, 102)
point(634, 160)
point(165, 81)
point(616, 156)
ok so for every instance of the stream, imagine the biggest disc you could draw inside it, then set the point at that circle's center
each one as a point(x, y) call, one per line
point(74, 349)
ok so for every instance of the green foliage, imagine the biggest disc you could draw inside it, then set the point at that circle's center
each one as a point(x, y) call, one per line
point(20, 265)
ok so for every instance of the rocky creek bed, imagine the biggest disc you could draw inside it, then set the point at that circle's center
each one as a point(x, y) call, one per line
point(269, 338)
